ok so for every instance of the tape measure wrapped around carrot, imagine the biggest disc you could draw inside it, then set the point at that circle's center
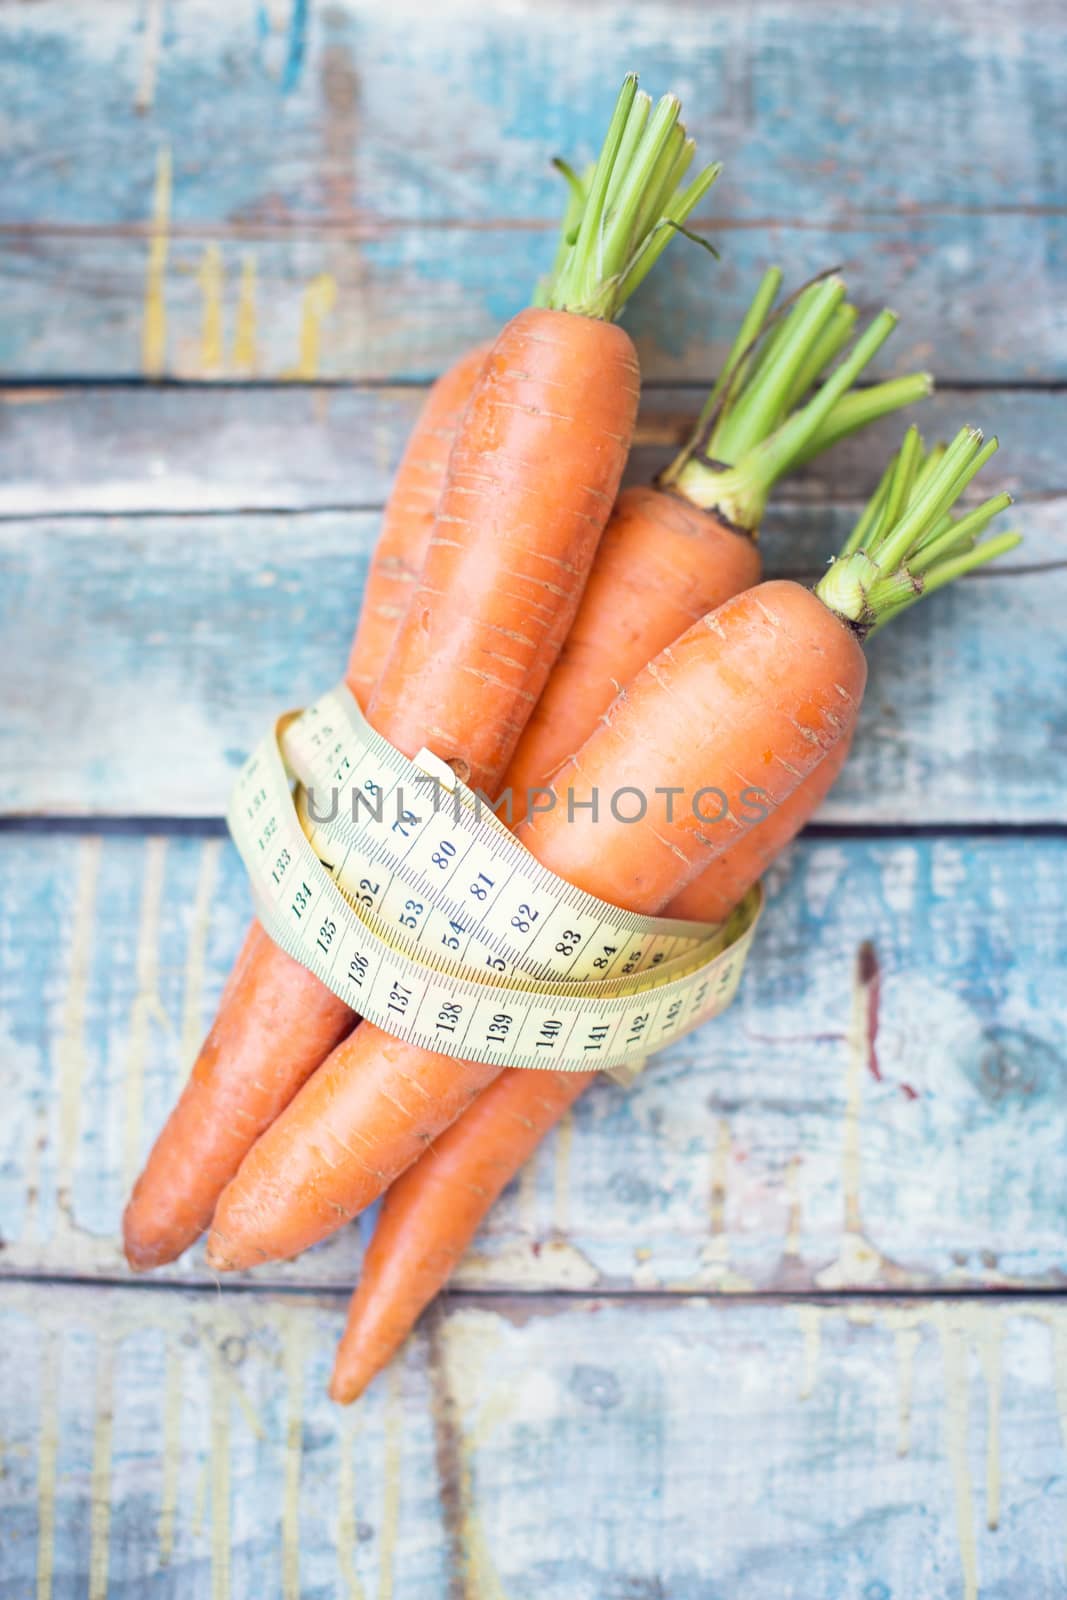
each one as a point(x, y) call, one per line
point(533, 473)
point(693, 717)
point(763, 689)
point(432, 1212)
point(663, 562)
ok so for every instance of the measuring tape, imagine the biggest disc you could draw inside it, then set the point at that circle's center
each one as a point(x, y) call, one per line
point(413, 902)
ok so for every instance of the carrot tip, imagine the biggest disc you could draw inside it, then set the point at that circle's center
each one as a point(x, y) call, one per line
point(216, 1256)
point(141, 1256)
point(347, 1389)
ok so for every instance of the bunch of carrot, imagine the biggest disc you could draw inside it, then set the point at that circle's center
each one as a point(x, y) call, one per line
point(534, 627)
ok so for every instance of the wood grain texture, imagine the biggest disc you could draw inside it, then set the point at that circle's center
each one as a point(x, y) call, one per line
point(311, 117)
point(572, 1449)
point(266, 202)
point(165, 1445)
point(980, 293)
point(794, 1144)
point(366, 190)
point(159, 648)
point(137, 448)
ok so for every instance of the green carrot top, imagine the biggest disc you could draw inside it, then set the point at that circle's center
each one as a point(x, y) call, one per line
point(757, 423)
point(907, 543)
point(625, 210)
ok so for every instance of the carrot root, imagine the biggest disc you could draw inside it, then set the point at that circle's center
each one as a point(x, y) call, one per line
point(432, 1212)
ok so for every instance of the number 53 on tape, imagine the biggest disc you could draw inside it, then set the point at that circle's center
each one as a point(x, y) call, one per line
point(415, 904)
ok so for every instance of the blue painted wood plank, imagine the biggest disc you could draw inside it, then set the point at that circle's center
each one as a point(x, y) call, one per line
point(456, 110)
point(980, 296)
point(160, 647)
point(164, 1445)
point(136, 448)
point(567, 1449)
point(775, 1149)
point(205, 200)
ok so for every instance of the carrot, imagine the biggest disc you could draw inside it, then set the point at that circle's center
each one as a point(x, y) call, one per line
point(276, 1021)
point(408, 522)
point(430, 1215)
point(672, 553)
point(533, 472)
point(756, 693)
point(532, 479)
point(432, 1212)
point(724, 884)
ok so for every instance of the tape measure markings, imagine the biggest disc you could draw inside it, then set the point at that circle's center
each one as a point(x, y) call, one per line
point(486, 828)
point(533, 973)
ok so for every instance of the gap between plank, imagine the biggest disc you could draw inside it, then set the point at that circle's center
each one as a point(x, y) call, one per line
point(1047, 1294)
point(215, 828)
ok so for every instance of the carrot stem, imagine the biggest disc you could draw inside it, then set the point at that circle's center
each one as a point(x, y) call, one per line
point(965, 456)
point(636, 122)
point(742, 351)
point(660, 236)
point(906, 543)
point(872, 511)
point(826, 349)
point(753, 427)
point(579, 265)
point(578, 189)
point(860, 407)
point(958, 566)
point(900, 487)
point(761, 407)
point(771, 459)
point(959, 535)
point(631, 206)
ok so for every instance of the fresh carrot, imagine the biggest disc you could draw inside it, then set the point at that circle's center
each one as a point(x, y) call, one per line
point(760, 692)
point(674, 552)
point(430, 1215)
point(533, 473)
point(432, 1212)
point(276, 1021)
point(724, 884)
point(408, 522)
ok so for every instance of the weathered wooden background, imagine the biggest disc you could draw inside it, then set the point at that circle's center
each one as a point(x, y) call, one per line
point(787, 1320)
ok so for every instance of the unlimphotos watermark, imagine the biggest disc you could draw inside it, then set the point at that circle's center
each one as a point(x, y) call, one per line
point(629, 804)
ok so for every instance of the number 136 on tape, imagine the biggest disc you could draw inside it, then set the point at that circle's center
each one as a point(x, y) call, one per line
point(417, 906)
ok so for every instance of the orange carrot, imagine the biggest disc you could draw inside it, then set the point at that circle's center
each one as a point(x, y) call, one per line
point(432, 1212)
point(276, 1021)
point(662, 564)
point(670, 554)
point(430, 1215)
point(408, 522)
point(724, 884)
point(533, 473)
point(532, 477)
point(753, 695)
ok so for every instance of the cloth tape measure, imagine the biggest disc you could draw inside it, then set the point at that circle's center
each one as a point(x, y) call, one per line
point(414, 904)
